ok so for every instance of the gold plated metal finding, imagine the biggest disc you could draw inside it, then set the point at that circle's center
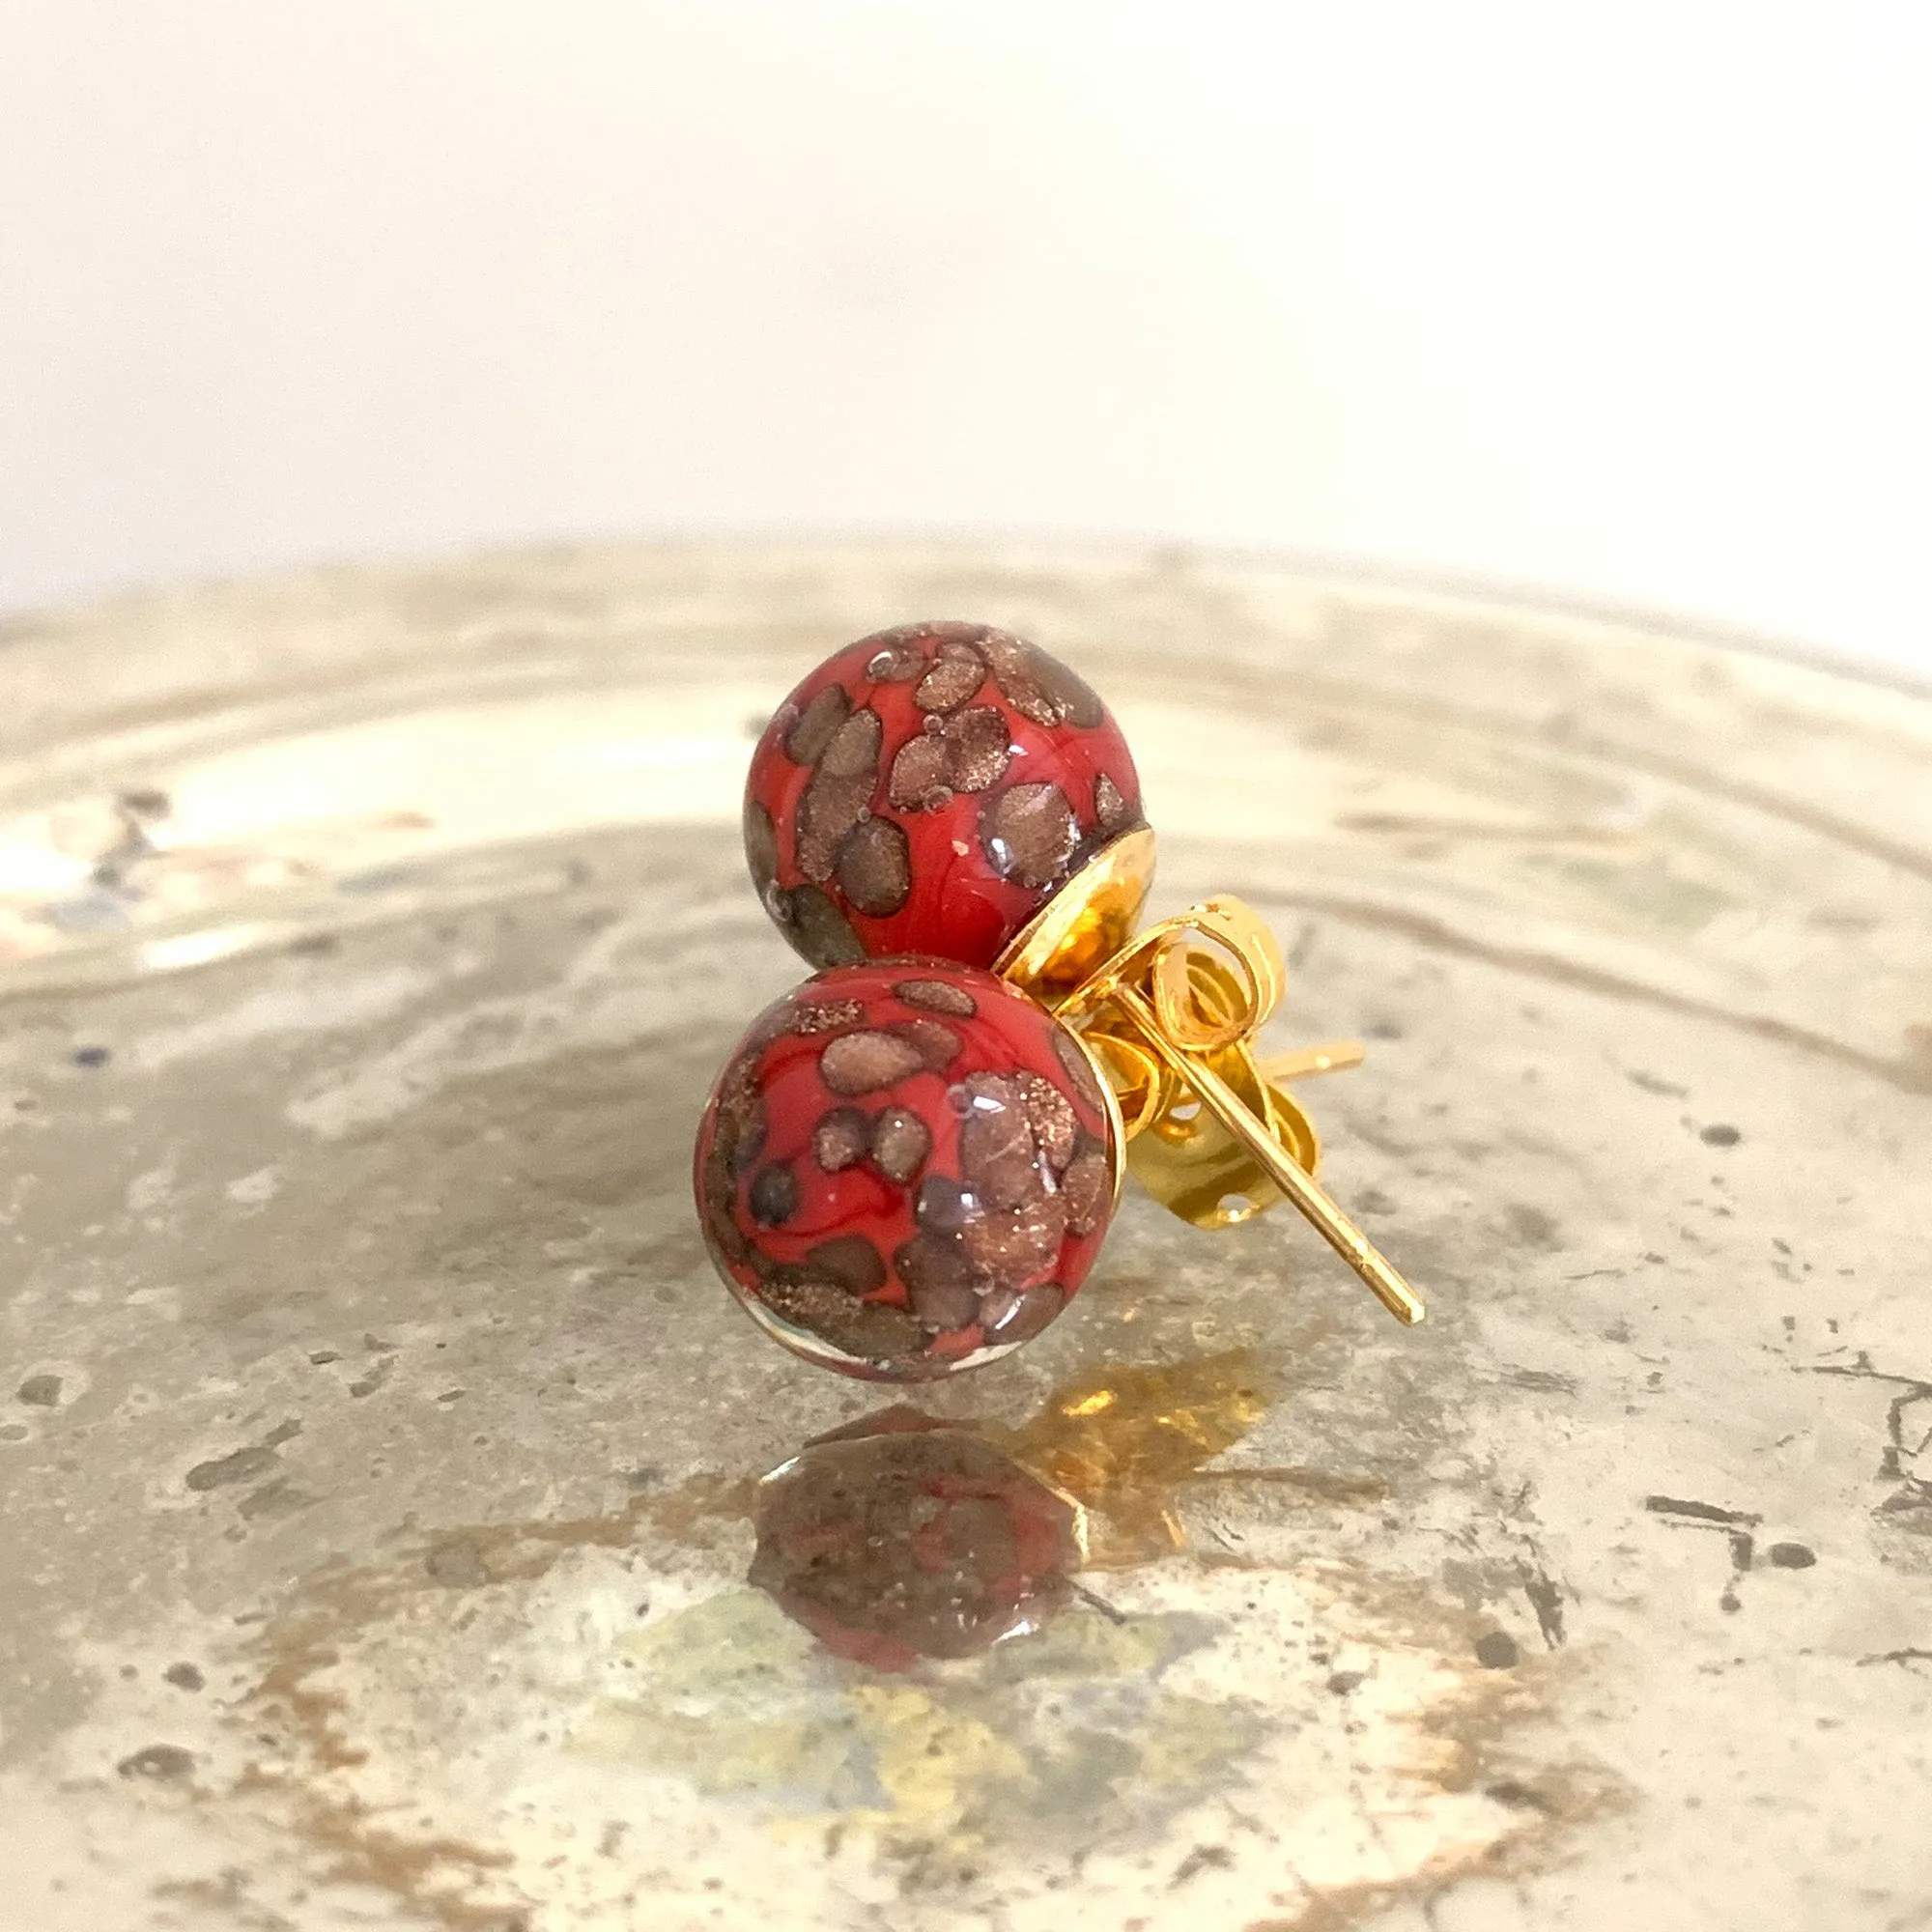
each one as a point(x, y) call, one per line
point(1085, 923)
point(1336, 1056)
point(1172, 1015)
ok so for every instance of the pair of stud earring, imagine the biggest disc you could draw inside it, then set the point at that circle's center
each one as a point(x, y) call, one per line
point(909, 1164)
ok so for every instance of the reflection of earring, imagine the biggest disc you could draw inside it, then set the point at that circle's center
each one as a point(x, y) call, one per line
point(900, 1537)
point(897, 1173)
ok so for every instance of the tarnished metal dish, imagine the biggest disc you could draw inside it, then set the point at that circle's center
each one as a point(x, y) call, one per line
point(382, 1458)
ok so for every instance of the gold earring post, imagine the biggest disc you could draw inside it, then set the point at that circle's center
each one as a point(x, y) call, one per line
point(1166, 1012)
point(1337, 1056)
point(1308, 1195)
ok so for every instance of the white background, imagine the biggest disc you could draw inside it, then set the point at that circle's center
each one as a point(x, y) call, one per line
point(1632, 300)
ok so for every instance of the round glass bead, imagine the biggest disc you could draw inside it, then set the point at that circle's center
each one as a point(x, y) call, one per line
point(906, 1168)
point(928, 789)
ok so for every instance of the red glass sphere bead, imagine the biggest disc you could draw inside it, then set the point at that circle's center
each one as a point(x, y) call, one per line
point(928, 789)
point(906, 1168)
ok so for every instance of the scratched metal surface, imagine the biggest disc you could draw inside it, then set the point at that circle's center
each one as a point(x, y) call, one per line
point(376, 1444)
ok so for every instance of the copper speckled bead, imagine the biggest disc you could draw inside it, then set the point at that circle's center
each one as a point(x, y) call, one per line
point(906, 1168)
point(928, 789)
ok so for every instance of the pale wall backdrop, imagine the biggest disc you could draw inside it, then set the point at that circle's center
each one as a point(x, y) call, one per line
point(1634, 300)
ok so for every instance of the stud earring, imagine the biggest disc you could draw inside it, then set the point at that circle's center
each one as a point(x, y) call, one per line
point(930, 789)
point(909, 1163)
point(907, 1167)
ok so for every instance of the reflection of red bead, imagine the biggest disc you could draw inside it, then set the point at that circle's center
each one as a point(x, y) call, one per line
point(901, 1537)
point(928, 789)
point(906, 1167)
